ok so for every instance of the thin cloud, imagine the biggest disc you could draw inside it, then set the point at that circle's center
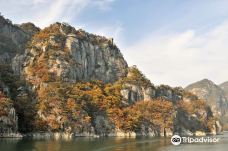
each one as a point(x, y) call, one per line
point(103, 4)
point(60, 10)
point(44, 12)
point(182, 58)
point(39, 1)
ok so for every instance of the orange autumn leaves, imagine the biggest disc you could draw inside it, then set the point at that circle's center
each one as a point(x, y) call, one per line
point(78, 104)
point(156, 113)
point(5, 105)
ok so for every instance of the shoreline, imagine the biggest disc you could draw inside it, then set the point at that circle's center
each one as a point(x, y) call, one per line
point(64, 135)
point(11, 135)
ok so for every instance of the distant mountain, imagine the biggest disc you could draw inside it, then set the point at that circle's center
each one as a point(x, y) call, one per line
point(214, 94)
point(224, 86)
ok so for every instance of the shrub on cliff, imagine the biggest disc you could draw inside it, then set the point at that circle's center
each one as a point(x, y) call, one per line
point(29, 28)
point(44, 34)
point(157, 113)
point(5, 104)
point(135, 76)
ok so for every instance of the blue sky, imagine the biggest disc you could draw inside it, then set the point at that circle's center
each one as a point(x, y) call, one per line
point(174, 42)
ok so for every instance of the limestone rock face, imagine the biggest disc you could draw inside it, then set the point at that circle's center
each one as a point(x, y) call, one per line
point(103, 62)
point(8, 124)
point(187, 124)
point(17, 64)
point(134, 93)
point(167, 92)
point(12, 40)
point(8, 117)
point(74, 55)
point(136, 87)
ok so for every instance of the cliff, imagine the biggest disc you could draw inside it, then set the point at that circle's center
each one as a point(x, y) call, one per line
point(72, 55)
point(190, 116)
point(136, 87)
point(8, 118)
point(67, 82)
point(13, 40)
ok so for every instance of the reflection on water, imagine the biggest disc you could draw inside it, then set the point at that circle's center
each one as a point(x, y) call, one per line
point(84, 144)
point(108, 144)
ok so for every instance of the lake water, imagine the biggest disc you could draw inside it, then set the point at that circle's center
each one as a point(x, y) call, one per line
point(109, 144)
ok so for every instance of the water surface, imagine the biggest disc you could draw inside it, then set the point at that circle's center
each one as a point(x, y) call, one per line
point(108, 144)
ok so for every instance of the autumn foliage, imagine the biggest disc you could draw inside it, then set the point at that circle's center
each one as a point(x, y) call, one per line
point(157, 113)
point(5, 105)
point(62, 105)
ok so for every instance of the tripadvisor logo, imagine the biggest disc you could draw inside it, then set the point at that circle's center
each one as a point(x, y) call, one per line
point(176, 140)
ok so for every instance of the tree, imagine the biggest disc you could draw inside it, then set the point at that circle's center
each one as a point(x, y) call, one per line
point(5, 105)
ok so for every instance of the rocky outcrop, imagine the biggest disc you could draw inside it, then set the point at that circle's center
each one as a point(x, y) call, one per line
point(187, 121)
point(29, 28)
point(136, 87)
point(12, 40)
point(134, 93)
point(74, 55)
point(9, 125)
point(8, 118)
point(200, 121)
point(169, 93)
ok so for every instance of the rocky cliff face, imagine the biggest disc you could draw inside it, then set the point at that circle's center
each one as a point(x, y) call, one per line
point(191, 115)
point(72, 55)
point(69, 81)
point(136, 87)
point(8, 118)
point(29, 28)
point(195, 117)
point(206, 89)
point(13, 40)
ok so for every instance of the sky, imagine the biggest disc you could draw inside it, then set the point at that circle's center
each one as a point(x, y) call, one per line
point(173, 42)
